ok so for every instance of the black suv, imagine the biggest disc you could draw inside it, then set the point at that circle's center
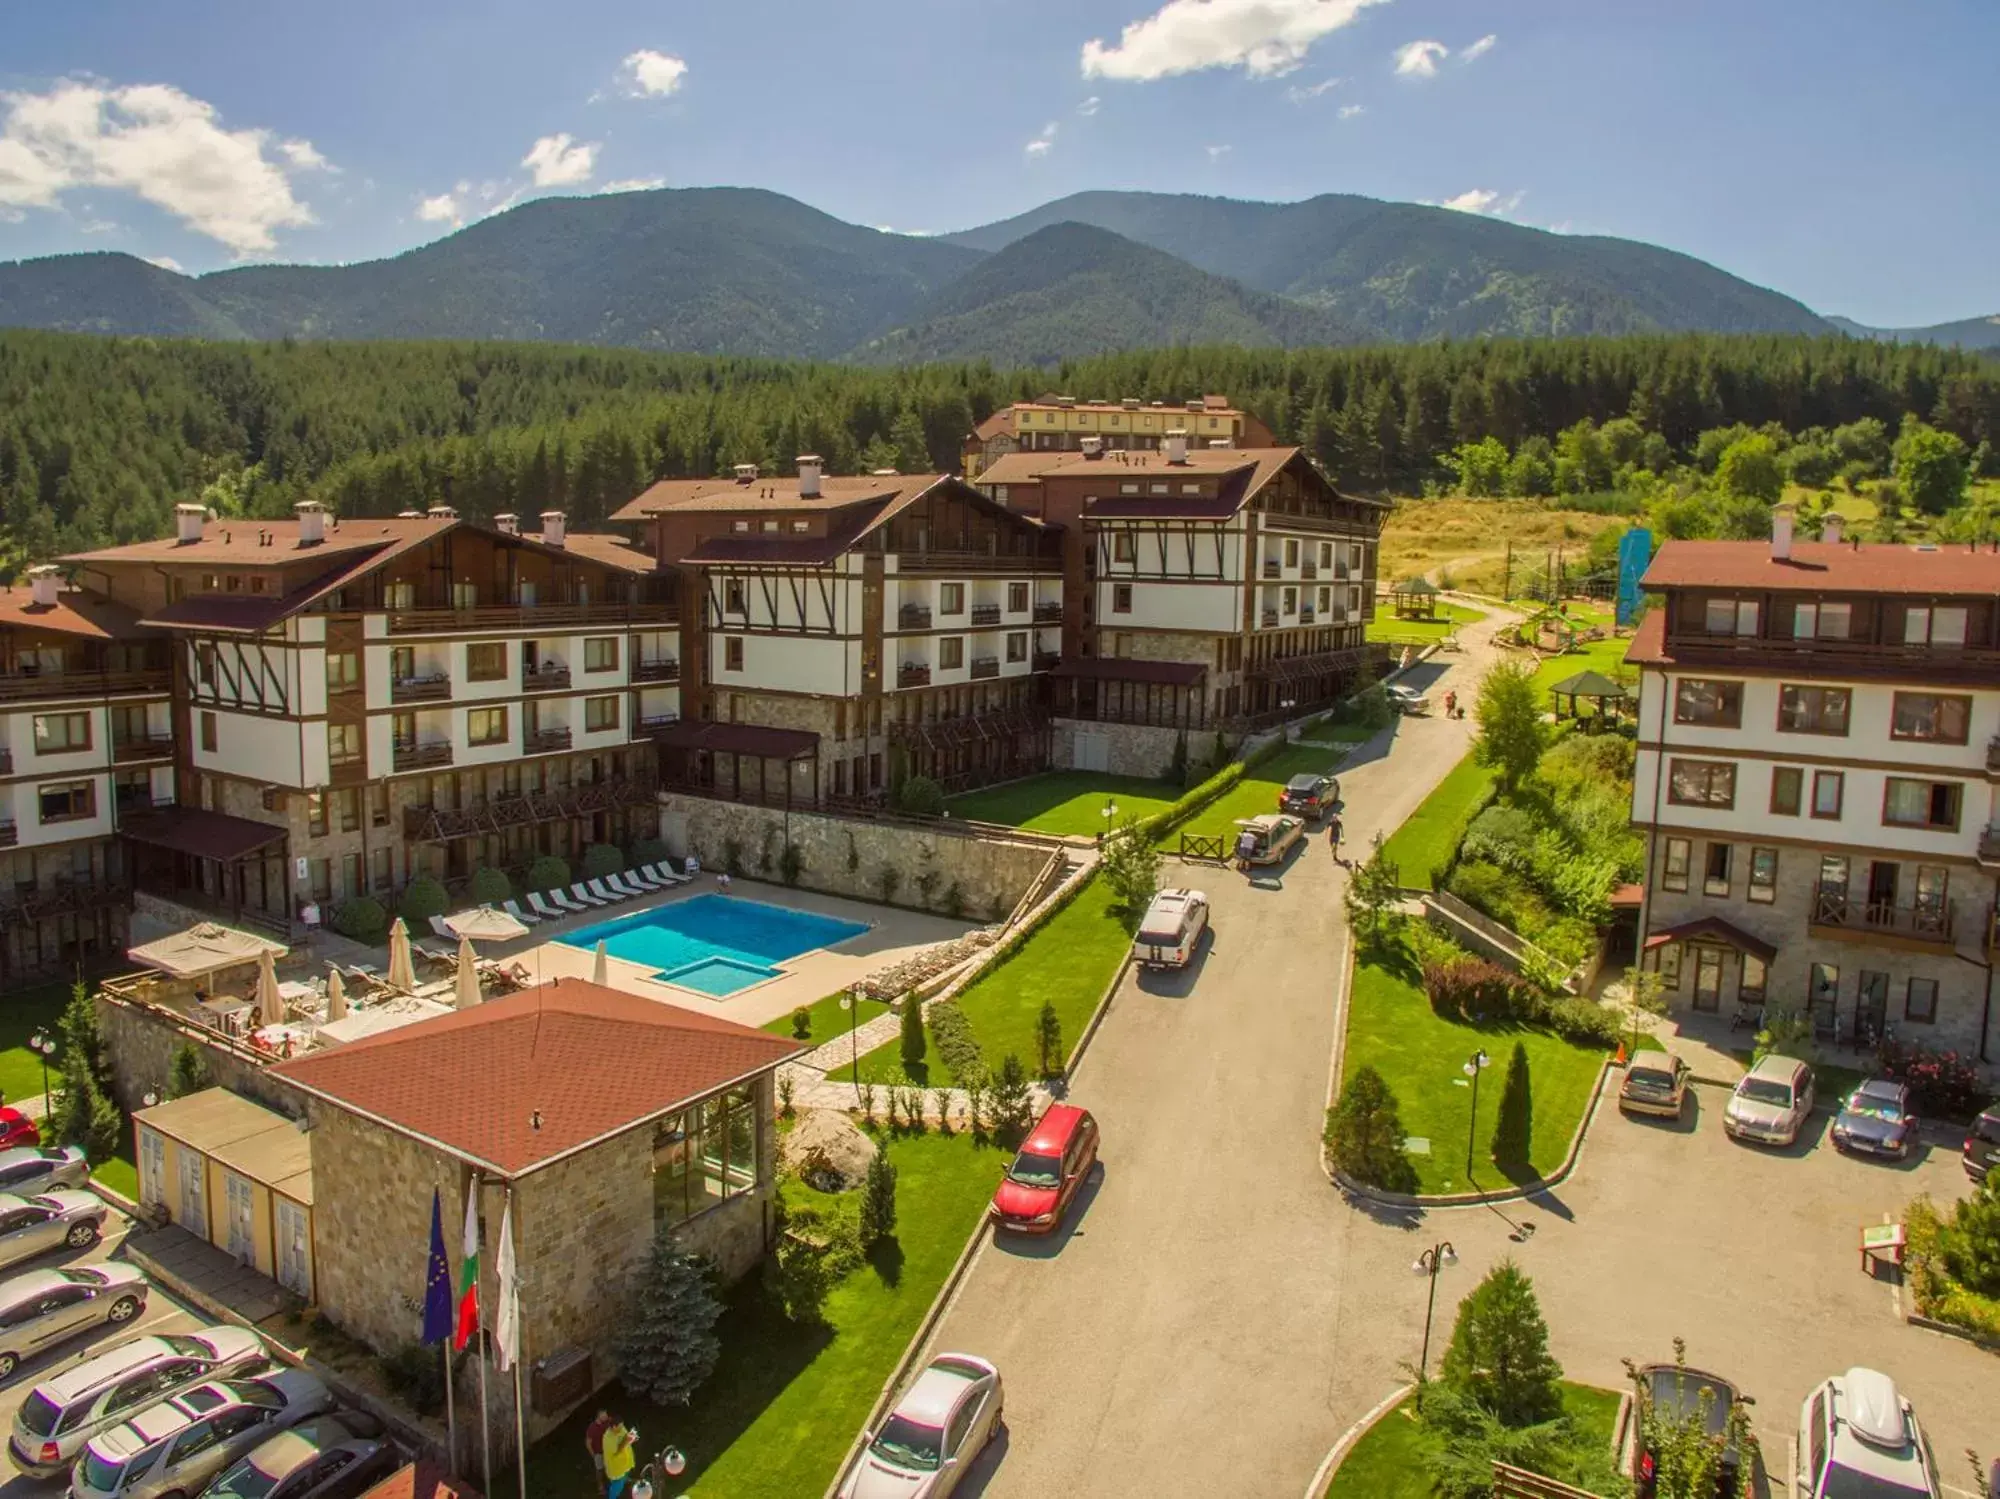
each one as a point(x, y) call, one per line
point(1982, 1144)
point(1309, 796)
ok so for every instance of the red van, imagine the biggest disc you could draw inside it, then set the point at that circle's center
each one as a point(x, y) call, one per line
point(1045, 1175)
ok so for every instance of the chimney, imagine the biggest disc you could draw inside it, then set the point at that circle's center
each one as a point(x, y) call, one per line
point(1829, 526)
point(555, 527)
point(409, 515)
point(188, 521)
point(1196, 404)
point(1093, 447)
point(746, 473)
point(507, 523)
point(1130, 403)
point(1177, 445)
point(312, 522)
point(46, 581)
point(809, 467)
point(441, 512)
point(1781, 534)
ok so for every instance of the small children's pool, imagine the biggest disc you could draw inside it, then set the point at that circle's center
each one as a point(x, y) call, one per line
point(715, 944)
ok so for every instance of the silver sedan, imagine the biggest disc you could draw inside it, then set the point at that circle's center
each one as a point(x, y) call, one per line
point(43, 1168)
point(924, 1446)
point(44, 1307)
point(34, 1225)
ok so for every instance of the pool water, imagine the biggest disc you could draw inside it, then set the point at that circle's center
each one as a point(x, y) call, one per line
point(715, 944)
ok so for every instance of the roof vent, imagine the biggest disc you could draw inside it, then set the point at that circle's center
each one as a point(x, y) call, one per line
point(1829, 527)
point(746, 473)
point(1066, 402)
point(1177, 445)
point(1197, 404)
point(1130, 403)
point(46, 581)
point(1093, 447)
point(1781, 534)
point(188, 521)
point(441, 512)
point(883, 473)
point(1874, 1409)
point(555, 528)
point(409, 515)
point(1218, 442)
point(809, 470)
point(312, 522)
point(507, 523)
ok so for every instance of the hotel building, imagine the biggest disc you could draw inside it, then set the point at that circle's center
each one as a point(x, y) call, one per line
point(1059, 424)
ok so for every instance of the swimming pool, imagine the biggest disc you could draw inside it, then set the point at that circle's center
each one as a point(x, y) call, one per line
point(715, 944)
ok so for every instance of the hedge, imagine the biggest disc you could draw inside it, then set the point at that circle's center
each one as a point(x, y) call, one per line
point(421, 899)
point(490, 886)
point(1938, 1295)
point(1161, 823)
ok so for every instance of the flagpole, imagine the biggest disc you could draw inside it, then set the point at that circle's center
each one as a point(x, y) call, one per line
point(520, 1404)
point(485, 1417)
point(450, 1415)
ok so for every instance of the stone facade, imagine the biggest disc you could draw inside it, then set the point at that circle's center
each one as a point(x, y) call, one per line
point(1131, 749)
point(991, 873)
point(140, 1041)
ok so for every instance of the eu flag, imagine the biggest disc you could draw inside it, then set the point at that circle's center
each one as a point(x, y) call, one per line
point(437, 1281)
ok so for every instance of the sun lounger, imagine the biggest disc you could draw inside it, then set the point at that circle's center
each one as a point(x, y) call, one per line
point(566, 903)
point(439, 929)
point(546, 905)
point(598, 889)
point(625, 885)
point(665, 871)
point(526, 918)
point(583, 894)
point(639, 879)
point(435, 952)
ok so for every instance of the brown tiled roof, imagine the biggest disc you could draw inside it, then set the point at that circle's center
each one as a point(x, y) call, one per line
point(772, 551)
point(1163, 507)
point(711, 496)
point(424, 1479)
point(1243, 472)
point(997, 425)
point(238, 544)
point(1828, 567)
point(1725, 932)
point(74, 613)
point(231, 613)
point(738, 739)
point(197, 831)
point(612, 551)
point(1125, 669)
point(586, 1061)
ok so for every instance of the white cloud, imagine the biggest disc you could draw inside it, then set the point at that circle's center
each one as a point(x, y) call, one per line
point(445, 208)
point(1420, 59)
point(1484, 200)
point(1089, 106)
point(1216, 153)
point(561, 161)
point(153, 140)
point(165, 263)
point(99, 226)
point(304, 156)
point(1300, 93)
point(1349, 111)
point(1263, 37)
point(652, 75)
point(1042, 144)
point(633, 185)
point(1479, 48)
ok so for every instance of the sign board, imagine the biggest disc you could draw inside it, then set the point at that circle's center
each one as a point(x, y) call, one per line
point(1635, 551)
point(303, 873)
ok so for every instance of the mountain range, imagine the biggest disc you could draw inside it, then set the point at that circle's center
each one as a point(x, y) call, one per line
point(745, 271)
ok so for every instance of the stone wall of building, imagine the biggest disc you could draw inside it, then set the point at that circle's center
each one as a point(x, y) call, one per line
point(846, 855)
point(1132, 749)
point(140, 1041)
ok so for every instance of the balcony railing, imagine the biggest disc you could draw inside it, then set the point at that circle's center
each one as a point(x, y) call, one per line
point(490, 818)
point(985, 614)
point(542, 741)
point(41, 684)
point(422, 756)
point(137, 800)
point(526, 617)
point(143, 747)
point(1308, 569)
point(545, 679)
point(985, 666)
point(420, 689)
point(6, 762)
point(1046, 660)
point(1306, 615)
point(9, 835)
point(1927, 922)
point(1993, 754)
point(1048, 614)
point(656, 723)
point(910, 675)
point(1272, 568)
point(1989, 845)
point(1270, 618)
point(668, 670)
point(914, 617)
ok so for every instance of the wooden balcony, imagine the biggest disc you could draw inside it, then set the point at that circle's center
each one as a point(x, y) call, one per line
point(9, 835)
point(546, 679)
point(913, 617)
point(1308, 570)
point(447, 621)
point(984, 616)
point(1989, 847)
point(668, 670)
point(428, 689)
point(1306, 614)
point(1048, 614)
point(1046, 660)
point(654, 724)
point(143, 747)
point(984, 667)
point(20, 686)
point(1836, 914)
point(909, 675)
point(1270, 619)
point(489, 818)
point(422, 756)
point(909, 563)
point(546, 741)
point(6, 761)
point(1273, 568)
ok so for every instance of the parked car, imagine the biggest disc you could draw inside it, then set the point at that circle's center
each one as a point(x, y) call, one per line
point(1770, 1105)
point(1407, 699)
point(1172, 929)
point(175, 1447)
point(1047, 1170)
point(1680, 1393)
point(1982, 1144)
point(923, 1447)
point(340, 1456)
point(1857, 1435)
point(30, 1168)
point(1656, 1082)
point(1266, 839)
point(46, 1307)
point(62, 1413)
point(1876, 1120)
point(1309, 796)
point(16, 1128)
point(34, 1225)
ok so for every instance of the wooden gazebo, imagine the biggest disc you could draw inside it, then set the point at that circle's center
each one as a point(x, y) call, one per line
point(1414, 598)
point(1608, 695)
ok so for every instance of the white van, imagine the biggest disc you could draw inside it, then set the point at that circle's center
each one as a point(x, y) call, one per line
point(1171, 932)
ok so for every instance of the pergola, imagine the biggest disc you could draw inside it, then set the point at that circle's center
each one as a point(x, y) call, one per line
point(211, 858)
point(1607, 694)
point(1414, 598)
point(697, 745)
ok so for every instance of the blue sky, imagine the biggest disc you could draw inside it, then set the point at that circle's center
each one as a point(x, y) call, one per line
point(1839, 150)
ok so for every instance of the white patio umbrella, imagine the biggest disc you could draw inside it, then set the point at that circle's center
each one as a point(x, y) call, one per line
point(336, 994)
point(600, 967)
point(270, 1005)
point(485, 923)
point(468, 974)
point(402, 971)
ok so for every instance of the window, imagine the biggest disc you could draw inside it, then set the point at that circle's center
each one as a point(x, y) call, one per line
point(316, 813)
point(1750, 986)
point(1936, 717)
point(1670, 966)
point(740, 526)
point(771, 524)
point(61, 733)
point(1821, 621)
point(464, 595)
point(1707, 978)
point(601, 653)
point(705, 1155)
point(1920, 1004)
point(1829, 786)
point(802, 527)
point(1764, 875)
point(343, 671)
point(1715, 871)
point(1730, 617)
point(1833, 877)
point(1787, 789)
point(204, 664)
point(732, 653)
point(599, 713)
point(1715, 705)
point(343, 743)
point(1928, 626)
point(208, 732)
point(378, 805)
point(951, 652)
point(1921, 804)
point(1291, 552)
point(1701, 783)
point(1123, 548)
point(67, 801)
point(348, 800)
point(320, 878)
point(1017, 598)
point(486, 661)
point(1121, 598)
point(399, 596)
point(1326, 554)
point(1813, 710)
point(1128, 487)
point(403, 729)
point(951, 598)
point(733, 598)
point(1291, 601)
point(1017, 646)
point(486, 726)
point(1675, 874)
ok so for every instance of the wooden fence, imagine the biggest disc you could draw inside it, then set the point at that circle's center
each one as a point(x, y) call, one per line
point(1519, 1483)
point(1210, 846)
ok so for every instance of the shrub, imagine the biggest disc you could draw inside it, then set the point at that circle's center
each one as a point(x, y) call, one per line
point(189, 1072)
point(1478, 989)
point(786, 1089)
point(1364, 1134)
point(1499, 1351)
point(954, 900)
point(649, 850)
point(1936, 1293)
point(490, 886)
point(956, 1044)
point(913, 1032)
point(1511, 733)
point(791, 864)
point(1502, 835)
point(600, 859)
point(421, 899)
point(1687, 1458)
point(1466, 1440)
point(1177, 764)
point(878, 1198)
point(1369, 708)
point(767, 850)
point(548, 873)
point(1013, 1107)
point(1049, 1039)
point(732, 857)
point(668, 1346)
point(801, 1277)
point(1131, 866)
point(920, 796)
point(802, 1023)
point(362, 920)
point(1943, 1084)
point(1972, 1239)
point(414, 1373)
point(1583, 1021)
point(1372, 889)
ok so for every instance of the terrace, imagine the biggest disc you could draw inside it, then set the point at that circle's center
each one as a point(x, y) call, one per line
point(447, 620)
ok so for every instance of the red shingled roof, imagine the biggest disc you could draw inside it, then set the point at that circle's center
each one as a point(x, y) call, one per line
point(1827, 567)
point(591, 1061)
point(74, 613)
point(423, 1479)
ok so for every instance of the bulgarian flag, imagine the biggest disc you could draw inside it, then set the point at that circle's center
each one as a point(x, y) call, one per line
point(468, 1274)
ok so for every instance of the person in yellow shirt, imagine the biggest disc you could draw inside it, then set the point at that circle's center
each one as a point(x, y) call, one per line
point(618, 1458)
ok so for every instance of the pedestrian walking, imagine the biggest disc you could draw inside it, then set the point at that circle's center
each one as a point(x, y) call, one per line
point(1333, 835)
point(1451, 705)
point(593, 1443)
point(618, 1459)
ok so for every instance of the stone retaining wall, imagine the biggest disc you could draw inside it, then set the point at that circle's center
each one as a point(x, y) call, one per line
point(140, 1041)
point(1132, 749)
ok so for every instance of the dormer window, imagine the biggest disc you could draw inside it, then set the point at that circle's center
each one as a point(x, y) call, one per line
point(1732, 617)
point(740, 527)
point(801, 527)
point(1822, 621)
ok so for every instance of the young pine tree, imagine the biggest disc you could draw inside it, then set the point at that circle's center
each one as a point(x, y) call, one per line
point(1049, 1039)
point(878, 1201)
point(1013, 1108)
point(913, 1034)
point(669, 1348)
point(1364, 1134)
point(1499, 1353)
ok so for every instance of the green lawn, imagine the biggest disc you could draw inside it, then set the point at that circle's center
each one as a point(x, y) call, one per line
point(785, 1402)
point(21, 1013)
point(1068, 802)
point(1257, 792)
point(1605, 657)
point(1066, 963)
point(1451, 617)
point(1423, 845)
point(118, 1173)
point(829, 1021)
point(1325, 731)
point(1389, 1462)
point(1392, 1028)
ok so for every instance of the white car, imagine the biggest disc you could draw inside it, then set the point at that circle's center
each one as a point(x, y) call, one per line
point(1407, 699)
point(1859, 1437)
point(1772, 1102)
point(1171, 930)
point(923, 1447)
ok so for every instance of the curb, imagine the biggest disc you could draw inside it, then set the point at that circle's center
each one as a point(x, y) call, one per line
point(1952, 1330)
point(118, 1200)
point(1330, 1464)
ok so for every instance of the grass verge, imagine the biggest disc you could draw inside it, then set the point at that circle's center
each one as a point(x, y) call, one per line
point(1257, 792)
point(1066, 802)
point(1391, 1459)
point(829, 1021)
point(1451, 618)
point(26, 1011)
point(1392, 1028)
point(1423, 846)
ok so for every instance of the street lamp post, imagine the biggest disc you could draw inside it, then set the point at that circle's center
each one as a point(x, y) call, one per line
point(1110, 811)
point(1285, 706)
point(851, 1002)
point(1429, 1263)
point(1475, 1064)
point(44, 1046)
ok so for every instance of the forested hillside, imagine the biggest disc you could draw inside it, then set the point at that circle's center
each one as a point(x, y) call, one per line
point(100, 437)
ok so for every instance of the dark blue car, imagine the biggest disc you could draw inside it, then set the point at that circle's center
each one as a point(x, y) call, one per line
point(1876, 1120)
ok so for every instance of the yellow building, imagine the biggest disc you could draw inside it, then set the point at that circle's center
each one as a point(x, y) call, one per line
point(1060, 423)
point(236, 1174)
